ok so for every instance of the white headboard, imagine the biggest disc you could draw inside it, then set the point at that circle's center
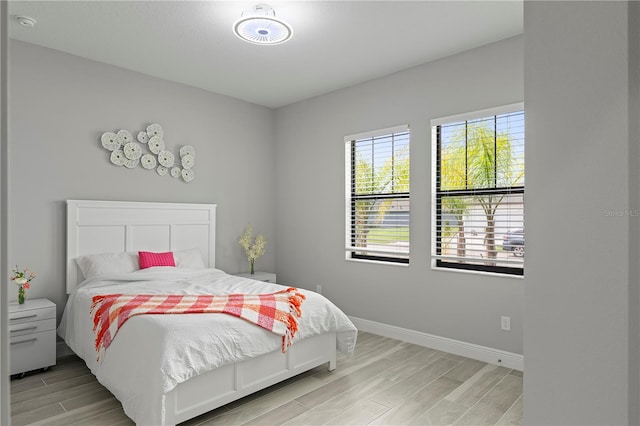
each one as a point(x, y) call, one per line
point(119, 226)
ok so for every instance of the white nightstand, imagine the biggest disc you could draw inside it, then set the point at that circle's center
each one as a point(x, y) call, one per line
point(268, 277)
point(32, 335)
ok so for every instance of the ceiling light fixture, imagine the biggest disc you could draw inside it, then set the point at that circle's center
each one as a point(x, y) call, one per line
point(260, 26)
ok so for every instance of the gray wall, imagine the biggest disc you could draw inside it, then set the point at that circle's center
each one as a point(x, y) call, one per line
point(310, 198)
point(634, 224)
point(4, 315)
point(59, 107)
point(581, 299)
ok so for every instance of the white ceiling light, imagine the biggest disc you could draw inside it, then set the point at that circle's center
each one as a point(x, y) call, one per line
point(260, 26)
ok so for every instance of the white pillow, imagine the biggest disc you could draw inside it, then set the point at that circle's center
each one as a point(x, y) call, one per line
point(107, 263)
point(189, 259)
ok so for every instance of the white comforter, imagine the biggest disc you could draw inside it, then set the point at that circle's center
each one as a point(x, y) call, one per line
point(151, 354)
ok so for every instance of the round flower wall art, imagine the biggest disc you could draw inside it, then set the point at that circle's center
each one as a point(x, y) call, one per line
point(149, 151)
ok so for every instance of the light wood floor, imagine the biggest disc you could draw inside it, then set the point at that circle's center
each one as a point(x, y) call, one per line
point(385, 382)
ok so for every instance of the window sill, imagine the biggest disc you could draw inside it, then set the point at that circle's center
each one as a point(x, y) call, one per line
point(468, 271)
point(378, 262)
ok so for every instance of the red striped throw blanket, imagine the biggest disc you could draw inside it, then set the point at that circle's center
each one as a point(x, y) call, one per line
point(277, 312)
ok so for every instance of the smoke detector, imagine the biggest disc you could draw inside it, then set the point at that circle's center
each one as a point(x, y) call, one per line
point(26, 21)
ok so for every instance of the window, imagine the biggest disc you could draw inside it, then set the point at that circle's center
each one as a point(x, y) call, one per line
point(377, 189)
point(478, 187)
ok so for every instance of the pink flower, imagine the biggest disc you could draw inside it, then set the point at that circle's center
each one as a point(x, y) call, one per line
point(22, 278)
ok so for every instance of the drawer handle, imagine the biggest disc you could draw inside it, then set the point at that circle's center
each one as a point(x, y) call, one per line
point(25, 317)
point(24, 329)
point(24, 341)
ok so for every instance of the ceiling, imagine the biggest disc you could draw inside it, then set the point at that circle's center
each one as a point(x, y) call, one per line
point(335, 44)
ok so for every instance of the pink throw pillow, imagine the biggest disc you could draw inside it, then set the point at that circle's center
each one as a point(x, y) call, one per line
point(148, 259)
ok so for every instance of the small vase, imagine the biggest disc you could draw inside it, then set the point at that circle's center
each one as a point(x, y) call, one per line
point(21, 295)
point(251, 263)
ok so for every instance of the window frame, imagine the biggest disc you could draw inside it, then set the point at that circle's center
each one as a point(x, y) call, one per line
point(437, 260)
point(351, 196)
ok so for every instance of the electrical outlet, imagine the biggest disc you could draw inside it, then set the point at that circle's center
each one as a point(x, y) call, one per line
point(319, 289)
point(505, 323)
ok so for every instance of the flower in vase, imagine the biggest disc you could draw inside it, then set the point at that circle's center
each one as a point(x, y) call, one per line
point(22, 278)
point(253, 248)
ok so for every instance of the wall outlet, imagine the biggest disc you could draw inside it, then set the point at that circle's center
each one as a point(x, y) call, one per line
point(505, 323)
point(319, 289)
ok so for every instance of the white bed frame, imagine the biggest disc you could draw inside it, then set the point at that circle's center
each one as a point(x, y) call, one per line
point(118, 226)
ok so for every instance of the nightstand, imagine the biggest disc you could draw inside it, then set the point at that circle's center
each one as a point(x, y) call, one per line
point(268, 277)
point(32, 335)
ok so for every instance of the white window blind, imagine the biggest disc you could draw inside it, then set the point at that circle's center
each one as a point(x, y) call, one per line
point(377, 189)
point(479, 193)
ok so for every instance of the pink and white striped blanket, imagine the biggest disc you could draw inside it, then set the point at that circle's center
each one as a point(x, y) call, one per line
point(277, 312)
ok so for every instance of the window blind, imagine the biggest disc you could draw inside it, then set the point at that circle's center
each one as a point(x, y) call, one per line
point(378, 204)
point(479, 194)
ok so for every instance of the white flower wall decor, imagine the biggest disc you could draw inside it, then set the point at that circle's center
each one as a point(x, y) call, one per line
point(130, 153)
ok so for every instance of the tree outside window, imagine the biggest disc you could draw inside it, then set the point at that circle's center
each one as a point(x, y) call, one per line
point(480, 194)
point(378, 206)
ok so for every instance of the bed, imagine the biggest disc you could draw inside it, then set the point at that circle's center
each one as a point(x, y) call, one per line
point(166, 369)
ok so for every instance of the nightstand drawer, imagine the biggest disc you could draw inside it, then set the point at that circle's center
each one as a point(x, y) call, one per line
point(21, 329)
point(32, 351)
point(21, 315)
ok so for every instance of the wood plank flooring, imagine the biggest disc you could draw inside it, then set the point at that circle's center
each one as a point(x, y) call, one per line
point(385, 382)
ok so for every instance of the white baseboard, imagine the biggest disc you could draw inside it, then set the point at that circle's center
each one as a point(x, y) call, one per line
point(457, 347)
